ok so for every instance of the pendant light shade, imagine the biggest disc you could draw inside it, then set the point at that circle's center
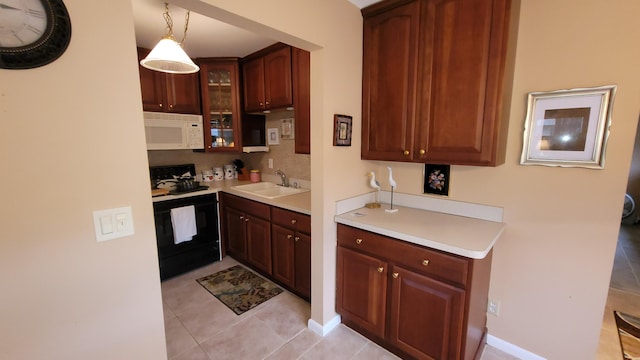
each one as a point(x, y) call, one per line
point(167, 56)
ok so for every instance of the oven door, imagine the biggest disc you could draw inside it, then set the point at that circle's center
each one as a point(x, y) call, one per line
point(203, 249)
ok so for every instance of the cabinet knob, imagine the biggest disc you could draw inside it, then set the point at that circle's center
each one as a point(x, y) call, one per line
point(425, 262)
point(358, 241)
point(170, 106)
point(241, 217)
point(395, 275)
point(246, 219)
point(293, 221)
point(380, 269)
point(297, 238)
point(406, 153)
point(289, 236)
point(160, 104)
point(422, 151)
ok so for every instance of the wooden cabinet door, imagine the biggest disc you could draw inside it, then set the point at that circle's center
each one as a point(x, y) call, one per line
point(301, 77)
point(389, 83)
point(302, 264)
point(277, 78)
point(362, 290)
point(259, 243)
point(152, 86)
point(219, 86)
point(426, 316)
point(461, 71)
point(253, 81)
point(283, 255)
point(235, 232)
point(183, 93)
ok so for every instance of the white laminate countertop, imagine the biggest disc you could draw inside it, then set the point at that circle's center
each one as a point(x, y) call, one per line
point(298, 202)
point(468, 237)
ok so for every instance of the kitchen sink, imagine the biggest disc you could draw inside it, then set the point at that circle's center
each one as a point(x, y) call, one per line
point(268, 190)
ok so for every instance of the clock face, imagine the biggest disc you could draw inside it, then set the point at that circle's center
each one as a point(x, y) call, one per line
point(22, 22)
point(32, 32)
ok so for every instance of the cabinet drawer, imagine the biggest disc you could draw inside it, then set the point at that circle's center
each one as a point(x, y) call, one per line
point(291, 219)
point(247, 206)
point(444, 266)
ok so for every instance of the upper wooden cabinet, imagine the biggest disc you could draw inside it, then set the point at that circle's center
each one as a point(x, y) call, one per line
point(267, 79)
point(433, 73)
point(220, 104)
point(301, 61)
point(161, 92)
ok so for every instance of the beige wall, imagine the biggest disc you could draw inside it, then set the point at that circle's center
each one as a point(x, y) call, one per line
point(71, 142)
point(67, 296)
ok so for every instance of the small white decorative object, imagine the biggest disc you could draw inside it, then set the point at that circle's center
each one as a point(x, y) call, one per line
point(229, 171)
point(393, 184)
point(376, 185)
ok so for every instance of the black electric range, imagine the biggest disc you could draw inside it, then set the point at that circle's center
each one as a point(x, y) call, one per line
point(204, 247)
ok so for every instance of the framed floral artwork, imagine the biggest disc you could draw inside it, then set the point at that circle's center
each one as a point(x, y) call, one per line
point(436, 179)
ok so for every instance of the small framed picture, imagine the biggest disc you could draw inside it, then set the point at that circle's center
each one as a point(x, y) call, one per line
point(273, 137)
point(568, 128)
point(342, 125)
point(288, 129)
point(436, 179)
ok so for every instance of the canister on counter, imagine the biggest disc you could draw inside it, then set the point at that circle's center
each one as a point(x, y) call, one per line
point(254, 176)
point(229, 171)
point(218, 174)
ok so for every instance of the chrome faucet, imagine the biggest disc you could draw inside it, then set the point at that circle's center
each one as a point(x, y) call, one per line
point(283, 176)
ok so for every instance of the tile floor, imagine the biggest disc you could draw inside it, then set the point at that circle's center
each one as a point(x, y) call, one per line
point(199, 327)
point(624, 290)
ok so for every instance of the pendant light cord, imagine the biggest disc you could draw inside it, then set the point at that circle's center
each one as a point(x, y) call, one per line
point(169, 20)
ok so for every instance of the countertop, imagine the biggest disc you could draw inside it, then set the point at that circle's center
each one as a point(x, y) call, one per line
point(465, 236)
point(298, 202)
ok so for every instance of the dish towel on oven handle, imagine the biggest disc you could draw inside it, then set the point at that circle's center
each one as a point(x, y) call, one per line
point(183, 220)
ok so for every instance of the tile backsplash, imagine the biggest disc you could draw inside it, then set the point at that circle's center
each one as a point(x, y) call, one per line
point(296, 166)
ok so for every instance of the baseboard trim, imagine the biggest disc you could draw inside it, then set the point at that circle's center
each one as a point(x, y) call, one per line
point(326, 329)
point(511, 349)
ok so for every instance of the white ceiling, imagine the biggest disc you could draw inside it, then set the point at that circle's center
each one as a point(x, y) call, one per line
point(206, 37)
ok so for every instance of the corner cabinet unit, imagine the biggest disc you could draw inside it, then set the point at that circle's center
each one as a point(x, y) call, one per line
point(173, 93)
point(433, 73)
point(418, 302)
point(267, 79)
point(219, 86)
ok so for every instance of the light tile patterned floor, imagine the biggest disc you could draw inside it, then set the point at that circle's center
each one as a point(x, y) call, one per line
point(198, 326)
point(624, 290)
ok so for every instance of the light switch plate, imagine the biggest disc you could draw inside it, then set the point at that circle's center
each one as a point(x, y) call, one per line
point(113, 223)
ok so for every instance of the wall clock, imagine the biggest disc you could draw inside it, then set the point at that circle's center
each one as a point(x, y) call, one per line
point(33, 33)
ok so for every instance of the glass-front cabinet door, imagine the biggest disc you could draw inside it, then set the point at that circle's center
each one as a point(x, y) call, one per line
point(220, 104)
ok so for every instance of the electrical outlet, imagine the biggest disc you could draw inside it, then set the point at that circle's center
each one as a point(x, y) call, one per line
point(493, 307)
point(270, 161)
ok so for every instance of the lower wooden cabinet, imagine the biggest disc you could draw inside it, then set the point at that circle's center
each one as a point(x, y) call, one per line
point(417, 302)
point(274, 241)
point(246, 230)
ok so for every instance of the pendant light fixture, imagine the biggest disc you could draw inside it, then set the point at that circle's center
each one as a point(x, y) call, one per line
point(168, 56)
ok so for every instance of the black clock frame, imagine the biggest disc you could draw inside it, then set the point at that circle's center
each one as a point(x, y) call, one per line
point(53, 42)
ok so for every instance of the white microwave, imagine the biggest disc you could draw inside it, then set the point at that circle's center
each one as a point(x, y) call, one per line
point(165, 131)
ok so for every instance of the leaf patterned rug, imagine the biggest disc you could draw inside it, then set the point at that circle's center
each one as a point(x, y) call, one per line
point(239, 288)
